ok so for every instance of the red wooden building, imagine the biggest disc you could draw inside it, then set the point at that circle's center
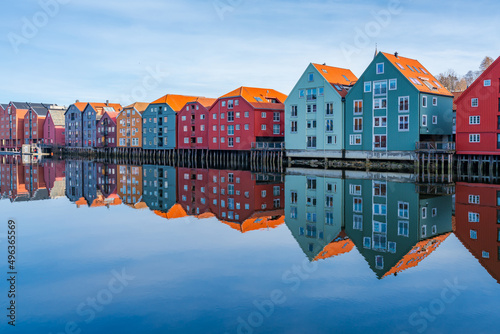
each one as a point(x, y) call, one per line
point(4, 130)
point(477, 212)
point(106, 129)
point(193, 195)
point(14, 125)
point(478, 115)
point(246, 116)
point(192, 122)
point(53, 127)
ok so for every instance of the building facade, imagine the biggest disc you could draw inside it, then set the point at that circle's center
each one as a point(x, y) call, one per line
point(395, 105)
point(130, 184)
point(129, 125)
point(92, 113)
point(54, 127)
point(14, 124)
point(159, 123)
point(478, 114)
point(314, 112)
point(73, 132)
point(247, 117)
point(159, 190)
point(193, 124)
point(107, 129)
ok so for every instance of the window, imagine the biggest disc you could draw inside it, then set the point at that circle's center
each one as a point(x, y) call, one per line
point(223, 103)
point(247, 114)
point(329, 108)
point(247, 126)
point(263, 127)
point(423, 231)
point(294, 127)
point(424, 120)
point(310, 77)
point(379, 209)
point(329, 125)
point(367, 242)
point(434, 101)
point(473, 234)
point(293, 197)
point(357, 204)
point(329, 218)
point(486, 255)
point(357, 222)
point(311, 108)
point(474, 138)
point(311, 94)
point(230, 130)
point(311, 141)
point(368, 87)
point(404, 103)
point(393, 84)
point(301, 94)
point(330, 187)
point(424, 101)
point(355, 140)
point(474, 199)
point(473, 217)
point(331, 139)
point(379, 189)
point(358, 124)
point(403, 228)
point(380, 141)
point(379, 262)
point(487, 83)
point(355, 189)
point(474, 102)
point(230, 116)
point(294, 111)
point(311, 124)
point(424, 213)
point(276, 129)
point(263, 114)
point(474, 120)
point(358, 107)
point(380, 68)
point(403, 210)
point(321, 91)
point(230, 105)
point(379, 103)
point(380, 121)
point(434, 119)
point(380, 88)
point(404, 123)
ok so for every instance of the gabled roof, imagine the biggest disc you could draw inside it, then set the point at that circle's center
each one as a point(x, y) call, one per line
point(111, 114)
point(102, 107)
point(139, 106)
point(3, 106)
point(80, 105)
point(417, 74)
point(259, 95)
point(40, 110)
point(57, 116)
point(337, 77)
point(176, 102)
point(479, 79)
point(205, 101)
point(456, 95)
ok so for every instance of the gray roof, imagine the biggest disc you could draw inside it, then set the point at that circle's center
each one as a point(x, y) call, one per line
point(4, 105)
point(57, 116)
point(40, 111)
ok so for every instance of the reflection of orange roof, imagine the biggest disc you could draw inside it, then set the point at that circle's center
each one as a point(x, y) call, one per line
point(205, 215)
point(80, 202)
point(420, 74)
point(176, 102)
point(101, 201)
point(254, 224)
point(176, 211)
point(251, 94)
point(419, 252)
point(138, 206)
point(336, 247)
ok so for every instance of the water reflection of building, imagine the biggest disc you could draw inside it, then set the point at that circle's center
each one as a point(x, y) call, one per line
point(477, 212)
point(130, 185)
point(392, 225)
point(159, 191)
point(74, 180)
point(106, 179)
point(54, 174)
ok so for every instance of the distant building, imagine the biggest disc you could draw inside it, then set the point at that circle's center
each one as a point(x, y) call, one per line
point(4, 125)
point(396, 106)
point(73, 133)
point(74, 180)
point(92, 113)
point(160, 187)
point(54, 127)
point(129, 125)
point(160, 122)
point(107, 129)
point(34, 120)
point(314, 112)
point(247, 117)
point(129, 183)
point(478, 118)
point(193, 124)
point(14, 124)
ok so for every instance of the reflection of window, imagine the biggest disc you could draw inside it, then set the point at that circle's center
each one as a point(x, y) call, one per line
point(311, 183)
point(473, 234)
point(293, 212)
point(403, 228)
point(379, 209)
point(357, 222)
point(473, 217)
point(329, 201)
point(367, 242)
point(379, 189)
point(357, 204)
point(293, 197)
point(392, 247)
point(355, 189)
point(403, 209)
point(329, 218)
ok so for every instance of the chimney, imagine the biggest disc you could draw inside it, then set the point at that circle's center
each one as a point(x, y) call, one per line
point(77, 101)
point(107, 103)
point(396, 54)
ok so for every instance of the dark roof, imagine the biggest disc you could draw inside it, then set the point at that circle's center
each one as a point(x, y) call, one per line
point(40, 111)
point(4, 106)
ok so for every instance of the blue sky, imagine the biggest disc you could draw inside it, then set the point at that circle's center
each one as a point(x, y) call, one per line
point(123, 50)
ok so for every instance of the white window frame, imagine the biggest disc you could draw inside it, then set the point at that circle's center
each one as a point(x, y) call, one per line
point(474, 102)
point(474, 138)
point(382, 69)
point(367, 87)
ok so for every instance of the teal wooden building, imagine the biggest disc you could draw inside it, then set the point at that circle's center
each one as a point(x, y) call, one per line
point(314, 112)
point(160, 120)
point(396, 108)
point(159, 190)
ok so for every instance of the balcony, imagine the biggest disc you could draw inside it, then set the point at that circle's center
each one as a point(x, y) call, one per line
point(430, 146)
point(311, 97)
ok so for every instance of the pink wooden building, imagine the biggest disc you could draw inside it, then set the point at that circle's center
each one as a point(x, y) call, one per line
point(53, 127)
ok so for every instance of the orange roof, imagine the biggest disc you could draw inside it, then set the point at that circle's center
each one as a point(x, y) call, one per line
point(80, 105)
point(97, 105)
point(417, 74)
point(176, 102)
point(139, 106)
point(336, 75)
point(256, 94)
point(206, 101)
point(336, 247)
point(419, 252)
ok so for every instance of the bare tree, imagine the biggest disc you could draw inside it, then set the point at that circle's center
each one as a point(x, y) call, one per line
point(487, 61)
point(470, 77)
point(449, 79)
